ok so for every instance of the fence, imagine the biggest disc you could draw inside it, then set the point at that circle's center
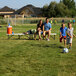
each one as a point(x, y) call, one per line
point(21, 21)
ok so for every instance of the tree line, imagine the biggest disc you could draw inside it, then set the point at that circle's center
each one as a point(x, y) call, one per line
point(65, 8)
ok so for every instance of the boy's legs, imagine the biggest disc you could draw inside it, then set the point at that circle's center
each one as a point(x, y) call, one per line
point(49, 34)
point(65, 41)
point(61, 39)
point(70, 43)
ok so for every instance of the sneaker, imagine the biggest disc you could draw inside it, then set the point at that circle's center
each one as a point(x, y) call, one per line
point(70, 47)
point(47, 39)
point(40, 39)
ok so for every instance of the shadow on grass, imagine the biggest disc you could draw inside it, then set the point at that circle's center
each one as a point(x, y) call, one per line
point(37, 45)
point(61, 47)
point(46, 45)
point(15, 39)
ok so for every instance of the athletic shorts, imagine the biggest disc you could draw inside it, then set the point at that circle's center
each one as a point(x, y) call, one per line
point(69, 40)
point(41, 32)
point(29, 32)
point(63, 37)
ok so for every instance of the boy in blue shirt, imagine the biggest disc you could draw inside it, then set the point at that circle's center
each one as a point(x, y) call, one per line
point(63, 31)
point(47, 28)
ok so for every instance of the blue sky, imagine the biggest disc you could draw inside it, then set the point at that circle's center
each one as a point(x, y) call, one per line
point(21, 3)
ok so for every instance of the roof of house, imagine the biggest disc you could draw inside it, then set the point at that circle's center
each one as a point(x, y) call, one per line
point(6, 9)
point(35, 10)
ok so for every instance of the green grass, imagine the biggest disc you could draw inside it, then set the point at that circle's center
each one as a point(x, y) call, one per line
point(35, 58)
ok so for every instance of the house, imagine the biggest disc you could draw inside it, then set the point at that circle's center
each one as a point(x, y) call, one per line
point(26, 11)
point(29, 11)
point(6, 11)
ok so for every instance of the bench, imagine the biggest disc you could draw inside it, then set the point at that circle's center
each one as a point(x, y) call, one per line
point(15, 34)
point(54, 34)
point(21, 34)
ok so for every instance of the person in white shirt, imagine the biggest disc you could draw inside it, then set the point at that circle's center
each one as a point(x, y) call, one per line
point(70, 35)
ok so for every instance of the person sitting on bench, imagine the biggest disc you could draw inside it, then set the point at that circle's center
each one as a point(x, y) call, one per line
point(47, 29)
point(32, 31)
point(39, 29)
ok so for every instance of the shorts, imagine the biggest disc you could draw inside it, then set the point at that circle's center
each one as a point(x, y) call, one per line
point(29, 32)
point(63, 37)
point(41, 32)
point(69, 40)
point(47, 32)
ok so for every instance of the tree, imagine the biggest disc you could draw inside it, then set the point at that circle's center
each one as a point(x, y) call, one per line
point(71, 6)
point(69, 3)
point(61, 1)
point(45, 10)
point(62, 10)
point(51, 9)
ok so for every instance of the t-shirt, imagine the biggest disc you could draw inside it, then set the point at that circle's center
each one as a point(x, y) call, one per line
point(41, 27)
point(70, 31)
point(47, 26)
point(63, 31)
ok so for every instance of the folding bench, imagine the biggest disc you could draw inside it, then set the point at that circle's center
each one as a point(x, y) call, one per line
point(53, 34)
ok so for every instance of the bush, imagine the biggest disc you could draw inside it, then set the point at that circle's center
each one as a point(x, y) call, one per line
point(34, 21)
point(2, 22)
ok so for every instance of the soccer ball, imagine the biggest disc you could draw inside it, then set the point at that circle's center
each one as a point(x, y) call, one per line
point(65, 50)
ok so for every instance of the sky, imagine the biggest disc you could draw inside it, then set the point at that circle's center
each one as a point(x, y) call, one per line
point(16, 4)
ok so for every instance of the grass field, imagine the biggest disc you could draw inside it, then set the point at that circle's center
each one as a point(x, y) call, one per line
point(35, 58)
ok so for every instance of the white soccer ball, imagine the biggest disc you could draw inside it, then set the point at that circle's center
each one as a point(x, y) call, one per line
point(65, 50)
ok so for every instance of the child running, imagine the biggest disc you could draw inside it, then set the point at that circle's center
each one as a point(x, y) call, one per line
point(63, 31)
point(70, 35)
